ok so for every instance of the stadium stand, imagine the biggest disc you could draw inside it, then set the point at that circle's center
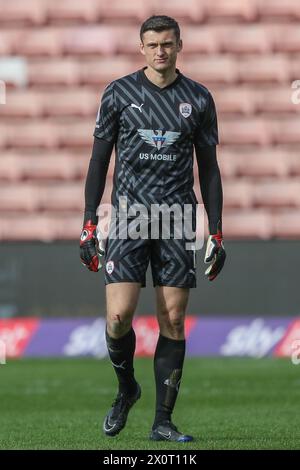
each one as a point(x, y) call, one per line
point(56, 59)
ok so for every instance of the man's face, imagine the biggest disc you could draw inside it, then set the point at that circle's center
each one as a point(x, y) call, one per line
point(160, 49)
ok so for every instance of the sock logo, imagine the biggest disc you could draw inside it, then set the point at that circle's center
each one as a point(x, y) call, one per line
point(119, 366)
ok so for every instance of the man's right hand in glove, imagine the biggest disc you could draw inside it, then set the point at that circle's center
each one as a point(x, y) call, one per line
point(91, 250)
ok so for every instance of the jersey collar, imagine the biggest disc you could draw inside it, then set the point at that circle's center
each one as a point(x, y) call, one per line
point(145, 80)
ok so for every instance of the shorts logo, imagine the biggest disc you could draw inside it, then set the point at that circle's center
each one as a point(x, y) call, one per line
point(185, 109)
point(110, 265)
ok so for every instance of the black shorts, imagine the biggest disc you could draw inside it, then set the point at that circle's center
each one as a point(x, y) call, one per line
point(172, 264)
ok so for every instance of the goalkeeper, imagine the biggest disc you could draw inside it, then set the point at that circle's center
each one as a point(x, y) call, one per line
point(155, 118)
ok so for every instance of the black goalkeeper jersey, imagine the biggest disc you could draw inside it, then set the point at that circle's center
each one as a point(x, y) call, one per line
point(155, 130)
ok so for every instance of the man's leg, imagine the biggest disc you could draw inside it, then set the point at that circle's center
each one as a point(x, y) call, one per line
point(121, 301)
point(168, 359)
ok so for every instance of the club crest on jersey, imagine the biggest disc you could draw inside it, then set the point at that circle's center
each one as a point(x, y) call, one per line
point(157, 139)
point(185, 109)
point(110, 265)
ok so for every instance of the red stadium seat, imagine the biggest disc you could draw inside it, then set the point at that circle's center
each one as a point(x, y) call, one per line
point(277, 193)
point(24, 12)
point(274, 99)
point(244, 131)
point(190, 11)
point(286, 37)
point(105, 69)
point(289, 9)
point(262, 163)
point(240, 99)
point(215, 69)
point(202, 40)
point(3, 135)
point(53, 72)
point(137, 10)
point(51, 166)
point(22, 103)
point(247, 224)
point(32, 134)
point(63, 226)
point(286, 223)
point(246, 39)
point(266, 68)
point(72, 10)
point(41, 42)
point(231, 9)
point(22, 198)
point(61, 197)
point(10, 41)
point(77, 133)
point(70, 102)
point(90, 40)
point(286, 130)
point(237, 193)
point(294, 162)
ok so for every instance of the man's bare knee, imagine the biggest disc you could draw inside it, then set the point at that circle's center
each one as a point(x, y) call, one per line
point(118, 325)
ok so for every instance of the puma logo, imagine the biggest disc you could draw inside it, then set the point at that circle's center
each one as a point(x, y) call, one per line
point(136, 106)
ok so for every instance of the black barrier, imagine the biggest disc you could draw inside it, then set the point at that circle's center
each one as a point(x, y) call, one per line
point(259, 278)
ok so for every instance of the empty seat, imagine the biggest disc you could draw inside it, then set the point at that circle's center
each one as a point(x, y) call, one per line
point(246, 39)
point(289, 9)
point(61, 197)
point(53, 72)
point(3, 135)
point(286, 130)
point(22, 103)
point(189, 11)
point(277, 193)
point(247, 224)
point(40, 227)
point(275, 99)
point(41, 42)
point(32, 133)
point(20, 198)
point(104, 70)
point(70, 102)
point(77, 133)
point(240, 99)
point(57, 165)
point(244, 131)
point(9, 41)
point(72, 10)
point(266, 68)
point(90, 40)
point(231, 9)
point(119, 10)
point(197, 39)
point(216, 68)
point(286, 37)
point(262, 163)
point(237, 193)
point(30, 11)
point(286, 223)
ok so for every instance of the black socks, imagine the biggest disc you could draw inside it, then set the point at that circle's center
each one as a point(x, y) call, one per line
point(168, 363)
point(121, 352)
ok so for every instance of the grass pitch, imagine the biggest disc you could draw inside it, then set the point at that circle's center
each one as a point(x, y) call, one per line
point(224, 403)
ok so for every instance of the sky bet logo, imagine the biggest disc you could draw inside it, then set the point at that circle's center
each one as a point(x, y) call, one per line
point(157, 139)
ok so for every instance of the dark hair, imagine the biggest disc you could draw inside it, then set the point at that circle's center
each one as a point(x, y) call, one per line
point(160, 23)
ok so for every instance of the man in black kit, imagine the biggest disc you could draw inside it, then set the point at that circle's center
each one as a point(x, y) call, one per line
point(155, 118)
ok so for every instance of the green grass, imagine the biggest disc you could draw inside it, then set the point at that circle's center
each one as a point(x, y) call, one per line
point(224, 403)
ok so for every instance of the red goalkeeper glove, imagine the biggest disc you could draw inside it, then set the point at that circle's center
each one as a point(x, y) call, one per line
point(215, 254)
point(91, 250)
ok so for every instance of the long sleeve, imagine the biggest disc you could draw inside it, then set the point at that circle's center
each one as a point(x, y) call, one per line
point(96, 177)
point(210, 185)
